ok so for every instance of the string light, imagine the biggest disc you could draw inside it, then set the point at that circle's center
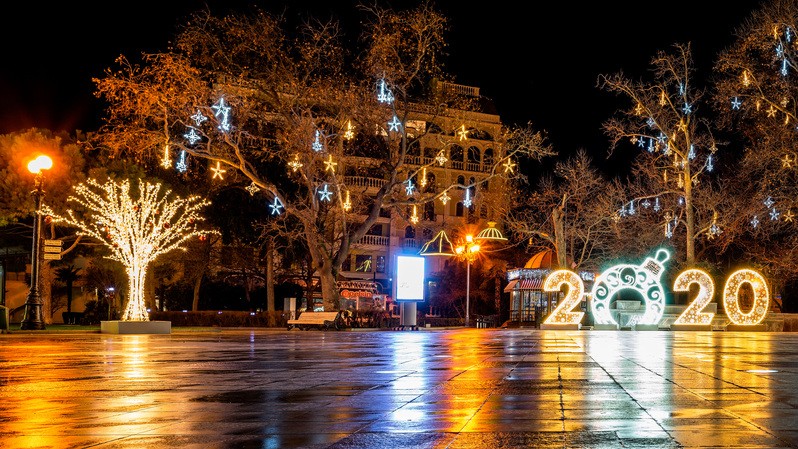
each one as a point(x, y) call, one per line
point(467, 199)
point(349, 134)
point(423, 180)
point(414, 217)
point(384, 95)
point(118, 221)
point(166, 162)
point(347, 205)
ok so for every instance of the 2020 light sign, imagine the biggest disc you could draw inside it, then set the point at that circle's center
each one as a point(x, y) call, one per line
point(645, 279)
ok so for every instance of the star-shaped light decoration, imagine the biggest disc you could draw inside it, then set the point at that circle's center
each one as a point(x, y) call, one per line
point(423, 181)
point(409, 187)
point(769, 202)
point(329, 165)
point(462, 133)
point(276, 206)
point(384, 95)
point(746, 80)
point(691, 153)
point(295, 164)
point(646, 203)
point(192, 136)
point(198, 118)
point(347, 205)
point(166, 162)
point(687, 108)
point(788, 216)
point(181, 165)
point(710, 163)
point(444, 198)
point(441, 158)
point(394, 124)
point(787, 161)
point(651, 123)
point(317, 146)
point(253, 189)
point(467, 200)
point(349, 133)
point(325, 194)
point(661, 138)
point(222, 112)
point(736, 103)
point(755, 221)
point(774, 214)
point(218, 171)
point(657, 206)
point(771, 111)
point(639, 109)
point(509, 166)
point(414, 217)
point(641, 142)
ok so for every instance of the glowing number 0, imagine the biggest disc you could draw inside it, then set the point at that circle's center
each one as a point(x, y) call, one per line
point(576, 288)
point(706, 289)
point(761, 297)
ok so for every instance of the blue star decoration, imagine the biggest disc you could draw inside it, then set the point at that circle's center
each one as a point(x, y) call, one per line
point(409, 187)
point(276, 206)
point(325, 194)
point(222, 112)
point(735, 103)
point(394, 124)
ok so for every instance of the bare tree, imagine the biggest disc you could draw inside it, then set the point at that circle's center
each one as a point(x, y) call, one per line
point(571, 212)
point(677, 146)
point(298, 116)
point(756, 94)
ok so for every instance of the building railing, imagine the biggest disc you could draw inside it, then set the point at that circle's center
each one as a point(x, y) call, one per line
point(362, 181)
point(375, 240)
point(411, 243)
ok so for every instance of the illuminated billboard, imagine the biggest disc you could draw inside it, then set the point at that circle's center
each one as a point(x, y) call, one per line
point(409, 278)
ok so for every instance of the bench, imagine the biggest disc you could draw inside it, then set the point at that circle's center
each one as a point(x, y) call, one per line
point(319, 320)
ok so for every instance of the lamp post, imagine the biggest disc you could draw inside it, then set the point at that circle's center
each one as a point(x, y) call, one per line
point(33, 318)
point(469, 250)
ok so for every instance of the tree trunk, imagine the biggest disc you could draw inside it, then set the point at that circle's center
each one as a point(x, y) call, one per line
point(329, 288)
point(136, 309)
point(558, 220)
point(688, 207)
point(196, 297)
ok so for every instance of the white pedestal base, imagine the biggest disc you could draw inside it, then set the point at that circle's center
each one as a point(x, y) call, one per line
point(135, 327)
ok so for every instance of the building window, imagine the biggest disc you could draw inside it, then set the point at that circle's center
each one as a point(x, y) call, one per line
point(474, 155)
point(380, 264)
point(410, 232)
point(458, 211)
point(487, 158)
point(461, 180)
point(483, 211)
point(456, 154)
point(363, 263)
point(429, 211)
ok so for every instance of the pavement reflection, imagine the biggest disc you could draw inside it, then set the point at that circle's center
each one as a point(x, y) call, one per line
point(453, 388)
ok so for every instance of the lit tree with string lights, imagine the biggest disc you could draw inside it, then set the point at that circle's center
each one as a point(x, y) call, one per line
point(677, 150)
point(137, 229)
point(301, 119)
point(756, 95)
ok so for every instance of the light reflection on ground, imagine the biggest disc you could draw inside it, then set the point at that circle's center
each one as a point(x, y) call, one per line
point(457, 388)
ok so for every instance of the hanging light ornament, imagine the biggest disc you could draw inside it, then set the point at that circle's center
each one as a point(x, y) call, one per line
point(218, 171)
point(317, 146)
point(444, 198)
point(329, 165)
point(347, 205)
point(441, 158)
point(414, 217)
point(423, 181)
point(295, 164)
point(349, 134)
point(462, 133)
point(166, 162)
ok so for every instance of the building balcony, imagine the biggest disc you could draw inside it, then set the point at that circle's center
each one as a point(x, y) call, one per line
point(362, 181)
point(374, 240)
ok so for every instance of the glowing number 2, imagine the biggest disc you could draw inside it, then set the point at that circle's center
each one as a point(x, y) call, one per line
point(576, 288)
point(761, 297)
point(706, 289)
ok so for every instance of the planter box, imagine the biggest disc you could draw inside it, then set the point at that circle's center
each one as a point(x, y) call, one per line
point(135, 327)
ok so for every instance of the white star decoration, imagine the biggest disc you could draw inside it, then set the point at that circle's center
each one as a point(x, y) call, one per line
point(394, 124)
point(325, 194)
point(276, 206)
point(409, 187)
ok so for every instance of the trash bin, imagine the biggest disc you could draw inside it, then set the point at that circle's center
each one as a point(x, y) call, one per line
point(4, 319)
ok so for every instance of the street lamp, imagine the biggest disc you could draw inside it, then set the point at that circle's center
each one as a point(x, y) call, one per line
point(469, 250)
point(33, 318)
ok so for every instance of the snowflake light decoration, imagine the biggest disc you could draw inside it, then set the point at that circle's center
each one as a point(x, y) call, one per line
point(295, 163)
point(181, 165)
point(198, 118)
point(444, 198)
point(192, 136)
point(317, 146)
point(441, 158)
point(384, 95)
point(467, 200)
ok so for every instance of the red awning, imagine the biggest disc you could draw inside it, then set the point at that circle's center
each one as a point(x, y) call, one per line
point(524, 284)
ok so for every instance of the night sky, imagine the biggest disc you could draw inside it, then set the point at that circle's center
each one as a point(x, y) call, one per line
point(539, 61)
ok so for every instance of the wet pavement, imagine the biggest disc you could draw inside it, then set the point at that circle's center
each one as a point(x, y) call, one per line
point(456, 388)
